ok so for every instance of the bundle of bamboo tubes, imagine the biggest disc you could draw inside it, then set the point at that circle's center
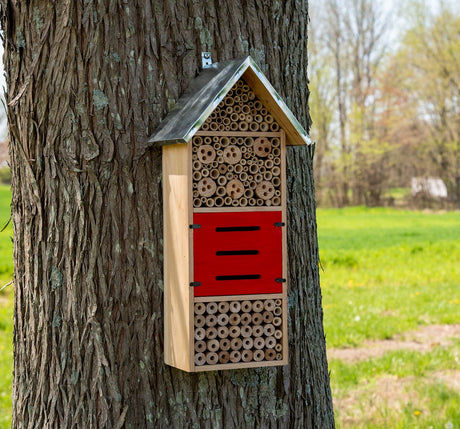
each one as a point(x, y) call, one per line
point(238, 331)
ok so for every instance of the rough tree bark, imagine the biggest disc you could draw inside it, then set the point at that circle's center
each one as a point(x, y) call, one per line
point(88, 82)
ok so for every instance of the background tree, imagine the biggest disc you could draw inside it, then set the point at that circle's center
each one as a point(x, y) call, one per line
point(88, 82)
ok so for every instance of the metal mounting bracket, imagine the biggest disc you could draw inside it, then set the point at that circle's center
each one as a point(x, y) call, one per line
point(206, 60)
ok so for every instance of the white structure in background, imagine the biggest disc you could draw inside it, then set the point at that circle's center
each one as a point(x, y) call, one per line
point(432, 186)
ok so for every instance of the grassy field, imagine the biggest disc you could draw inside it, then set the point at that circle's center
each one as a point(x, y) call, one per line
point(386, 272)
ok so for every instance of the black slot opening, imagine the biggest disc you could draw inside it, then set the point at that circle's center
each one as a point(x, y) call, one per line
point(236, 252)
point(239, 277)
point(236, 228)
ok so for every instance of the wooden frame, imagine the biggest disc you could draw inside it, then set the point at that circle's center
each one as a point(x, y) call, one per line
point(179, 302)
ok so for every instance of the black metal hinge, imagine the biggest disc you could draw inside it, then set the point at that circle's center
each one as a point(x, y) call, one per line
point(195, 284)
point(279, 224)
point(280, 280)
point(194, 226)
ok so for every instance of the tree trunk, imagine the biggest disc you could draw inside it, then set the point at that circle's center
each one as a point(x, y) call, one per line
point(88, 82)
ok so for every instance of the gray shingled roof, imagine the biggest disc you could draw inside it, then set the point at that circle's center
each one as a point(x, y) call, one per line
point(207, 90)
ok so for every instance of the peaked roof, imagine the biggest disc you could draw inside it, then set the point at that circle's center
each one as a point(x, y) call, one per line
point(208, 89)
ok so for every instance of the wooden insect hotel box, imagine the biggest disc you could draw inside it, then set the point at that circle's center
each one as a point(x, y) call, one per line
point(224, 191)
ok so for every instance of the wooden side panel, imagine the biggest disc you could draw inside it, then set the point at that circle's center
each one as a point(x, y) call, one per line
point(177, 292)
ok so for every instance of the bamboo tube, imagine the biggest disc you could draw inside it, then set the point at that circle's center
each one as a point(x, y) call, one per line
point(246, 331)
point(246, 306)
point(229, 175)
point(274, 127)
point(248, 343)
point(265, 190)
point(277, 311)
point(254, 168)
point(235, 189)
point(232, 154)
point(211, 307)
point(277, 321)
point(236, 343)
point(222, 319)
point(270, 342)
point(245, 319)
point(240, 141)
point(212, 345)
point(196, 202)
point(197, 140)
point(211, 333)
point(246, 355)
point(227, 201)
point(212, 358)
point(200, 321)
point(234, 319)
point(269, 330)
point(245, 109)
point(245, 86)
point(220, 191)
point(276, 171)
point(258, 355)
point(200, 359)
point(234, 117)
point(229, 101)
point(269, 164)
point(278, 302)
point(213, 126)
point(257, 318)
point(199, 308)
point(268, 203)
point(205, 126)
point(211, 320)
point(243, 202)
point(251, 95)
point(278, 334)
point(276, 160)
point(244, 98)
point(235, 356)
point(223, 307)
point(203, 200)
point(243, 177)
point(224, 141)
point(261, 164)
point(279, 356)
point(235, 306)
point(249, 142)
point(278, 347)
point(230, 169)
point(204, 172)
point(236, 107)
point(270, 354)
point(257, 105)
point(257, 306)
point(238, 90)
point(253, 126)
point(222, 170)
point(222, 332)
point(197, 176)
point(214, 173)
point(258, 177)
point(200, 334)
point(264, 127)
point(226, 123)
point(248, 193)
point(252, 202)
point(260, 202)
point(277, 193)
point(210, 202)
point(268, 176)
point(195, 192)
point(268, 316)
point(200, 346)
point(224, 344)
point(259, 343)
point(234, 331)
point(276, 182)
point(214, 164)
point(197, 165)
point(242, 116)
point(276, 151)
point(276, 201)
point(269, 304)
point(238, 168)
point(269, 118)
point(234, 126)
point(275, 142)
point(224, 357)
point(235, 203)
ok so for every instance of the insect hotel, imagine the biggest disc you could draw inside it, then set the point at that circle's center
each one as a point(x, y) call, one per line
point(224, 187)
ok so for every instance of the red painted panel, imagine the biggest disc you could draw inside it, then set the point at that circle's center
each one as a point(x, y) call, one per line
point(255, 247)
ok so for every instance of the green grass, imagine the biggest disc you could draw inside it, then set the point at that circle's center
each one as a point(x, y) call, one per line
point(387, 271)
